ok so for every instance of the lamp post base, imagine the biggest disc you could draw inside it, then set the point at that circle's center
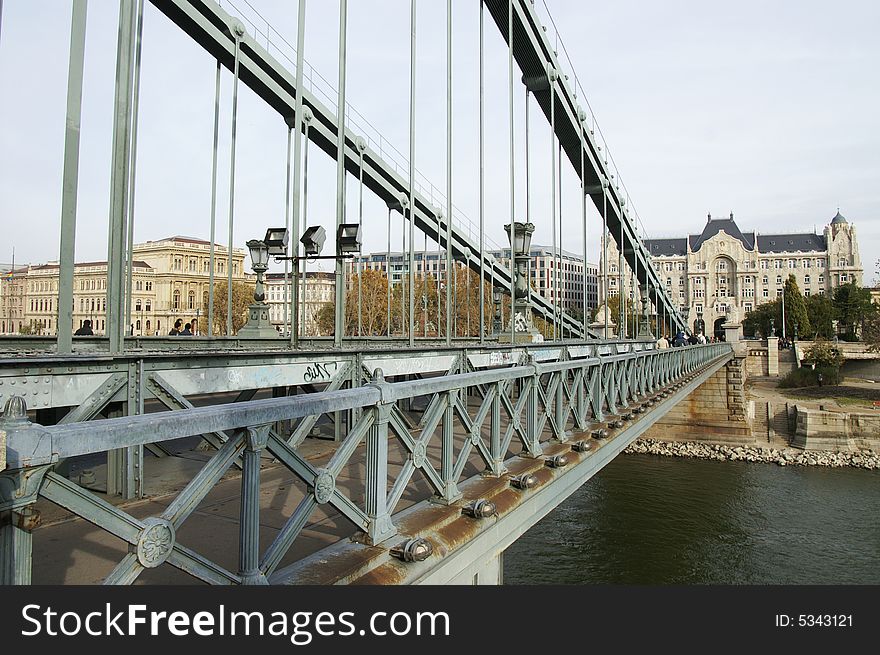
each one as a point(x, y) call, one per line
point(521, 337)
point(258, 326)
point(523, 331)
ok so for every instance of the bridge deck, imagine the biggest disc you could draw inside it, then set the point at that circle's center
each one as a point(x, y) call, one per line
point(70, 550)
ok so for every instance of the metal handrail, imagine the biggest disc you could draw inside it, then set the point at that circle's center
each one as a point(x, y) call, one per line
point(48, 444)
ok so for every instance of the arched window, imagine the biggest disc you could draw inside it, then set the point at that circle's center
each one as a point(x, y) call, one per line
point(148, 306)
point(205, 300)
point(192, 300)
point(175, 301)
point(137, 305)
point(148, 327)
point(137, 324)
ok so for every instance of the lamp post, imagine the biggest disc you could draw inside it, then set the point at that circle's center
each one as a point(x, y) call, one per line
point(834, 328)
point(258, 326)
point(521, 328)
point(645, 327)
point(496, 300)
point(424, 315)
point(274, 244)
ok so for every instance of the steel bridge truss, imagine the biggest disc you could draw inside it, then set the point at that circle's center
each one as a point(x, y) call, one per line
point(446, 431)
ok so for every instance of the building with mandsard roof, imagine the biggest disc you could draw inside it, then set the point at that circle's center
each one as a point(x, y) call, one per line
point(724, 272)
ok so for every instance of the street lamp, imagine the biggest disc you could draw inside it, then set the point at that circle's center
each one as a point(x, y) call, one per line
point(645, 327)
point(521, 329)
point(276, 240)
point(496, 300)
point(258, 325)
point(313, 240)
point(348, 238)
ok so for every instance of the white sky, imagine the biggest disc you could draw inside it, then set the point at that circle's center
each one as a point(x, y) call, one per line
point(766, 109)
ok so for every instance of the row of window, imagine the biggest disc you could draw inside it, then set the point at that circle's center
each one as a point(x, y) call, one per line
point(191, 300)
point(37, 287)
point(722, 280)
point(192, 265)
point(793, 263)
point(93, 285)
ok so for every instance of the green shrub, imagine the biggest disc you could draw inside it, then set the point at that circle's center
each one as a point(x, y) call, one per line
point(808, 377)
point(823, 355)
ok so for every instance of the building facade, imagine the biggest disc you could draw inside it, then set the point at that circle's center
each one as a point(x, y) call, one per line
point(170, 280)
point(317, 290)
point(542, 272)
point(723, 273)
point(13, 295)
point(182, 277)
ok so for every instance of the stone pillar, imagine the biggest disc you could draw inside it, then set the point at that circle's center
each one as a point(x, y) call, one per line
point(732, 333)
point(773, 356)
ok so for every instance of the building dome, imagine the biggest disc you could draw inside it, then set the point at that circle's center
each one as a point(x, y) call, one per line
point(838, 219)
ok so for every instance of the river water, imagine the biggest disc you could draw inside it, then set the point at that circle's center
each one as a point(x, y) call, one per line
point(661, 520)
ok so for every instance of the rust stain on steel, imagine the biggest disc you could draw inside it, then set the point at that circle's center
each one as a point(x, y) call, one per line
point(426, 518)
point(462, 530)
point(507, 500)
point(340, 567)
point(385, 574)
point(557, 449)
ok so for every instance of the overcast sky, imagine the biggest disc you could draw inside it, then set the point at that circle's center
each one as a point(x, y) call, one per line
point(765, 108)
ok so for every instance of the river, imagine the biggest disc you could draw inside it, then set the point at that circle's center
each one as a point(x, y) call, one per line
point(655, 520)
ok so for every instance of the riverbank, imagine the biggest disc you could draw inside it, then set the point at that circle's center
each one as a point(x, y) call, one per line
point(781, 456)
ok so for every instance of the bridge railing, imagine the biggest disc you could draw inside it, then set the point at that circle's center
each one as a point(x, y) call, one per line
point(459, 427)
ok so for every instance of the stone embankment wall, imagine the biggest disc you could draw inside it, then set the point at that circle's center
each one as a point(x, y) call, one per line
point(818, 429)
point(716, 410)
point(718, 413)
point(782, 456)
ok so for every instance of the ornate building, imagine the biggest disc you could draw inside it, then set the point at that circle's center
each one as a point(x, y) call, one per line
point(170, 280)
point(182, 277)
point(722, 273)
